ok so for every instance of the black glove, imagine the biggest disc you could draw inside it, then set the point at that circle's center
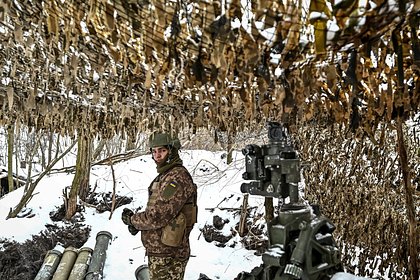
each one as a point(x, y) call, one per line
point(126, 216)
point(132, 230)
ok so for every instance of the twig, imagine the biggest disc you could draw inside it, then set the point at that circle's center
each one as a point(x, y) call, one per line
point(114, 159)
point(113, 191)
point(223, 208)
point(30, 198)
point(230, 209)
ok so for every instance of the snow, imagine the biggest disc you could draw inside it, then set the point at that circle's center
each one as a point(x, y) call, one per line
point(218, 188)
point(346, 276)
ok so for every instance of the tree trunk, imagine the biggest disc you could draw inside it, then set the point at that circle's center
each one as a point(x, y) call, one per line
point(42, 148)
point(409, 204)
point(57, 146)
point(10, 142)
point(50, 146)
point(80, 184)
point(131, 144)
point(242, 222)
point(229, 158)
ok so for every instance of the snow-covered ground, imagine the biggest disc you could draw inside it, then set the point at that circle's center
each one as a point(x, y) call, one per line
point(218, 188)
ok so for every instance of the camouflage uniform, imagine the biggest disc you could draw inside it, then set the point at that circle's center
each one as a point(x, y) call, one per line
point(167, 221)
point(165, 268)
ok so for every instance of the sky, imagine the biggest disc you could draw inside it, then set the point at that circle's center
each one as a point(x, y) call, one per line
point(218, 188)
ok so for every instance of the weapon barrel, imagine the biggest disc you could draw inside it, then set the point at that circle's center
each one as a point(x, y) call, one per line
point(51, 261)
point(96, 267)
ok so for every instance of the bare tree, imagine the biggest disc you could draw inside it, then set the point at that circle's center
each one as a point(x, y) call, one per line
point(10, 144)
point(32, 185)
point(80, 184)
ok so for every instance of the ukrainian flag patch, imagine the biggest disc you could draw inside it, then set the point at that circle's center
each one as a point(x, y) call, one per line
point(170, 190)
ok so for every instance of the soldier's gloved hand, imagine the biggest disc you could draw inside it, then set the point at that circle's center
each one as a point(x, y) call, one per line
point(126, 216)
point(132, 230)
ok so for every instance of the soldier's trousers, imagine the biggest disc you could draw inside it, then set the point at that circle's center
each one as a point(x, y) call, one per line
point(166, 268)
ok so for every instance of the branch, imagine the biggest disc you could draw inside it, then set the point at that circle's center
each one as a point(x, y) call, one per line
point(113, 191)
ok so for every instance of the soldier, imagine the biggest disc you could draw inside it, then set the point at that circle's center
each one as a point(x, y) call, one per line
point(170, 213)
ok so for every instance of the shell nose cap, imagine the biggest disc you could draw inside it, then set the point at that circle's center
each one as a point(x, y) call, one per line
point(142, 272)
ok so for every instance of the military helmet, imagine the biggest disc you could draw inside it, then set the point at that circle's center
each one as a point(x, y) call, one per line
point(158, 139)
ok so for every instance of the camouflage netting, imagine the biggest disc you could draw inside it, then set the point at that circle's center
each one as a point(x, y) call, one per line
point(122, 67)
point(358, 185)
point(115, 68)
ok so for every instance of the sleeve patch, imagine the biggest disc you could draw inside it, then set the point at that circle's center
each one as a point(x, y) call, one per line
point(170, 190)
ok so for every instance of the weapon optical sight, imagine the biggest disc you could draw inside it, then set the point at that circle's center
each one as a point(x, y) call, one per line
point(274, 169)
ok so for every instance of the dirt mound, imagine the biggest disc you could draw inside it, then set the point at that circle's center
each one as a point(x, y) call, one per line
point(253, 238)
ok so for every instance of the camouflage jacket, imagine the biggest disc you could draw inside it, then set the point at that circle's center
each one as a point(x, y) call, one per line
point(170, 194)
